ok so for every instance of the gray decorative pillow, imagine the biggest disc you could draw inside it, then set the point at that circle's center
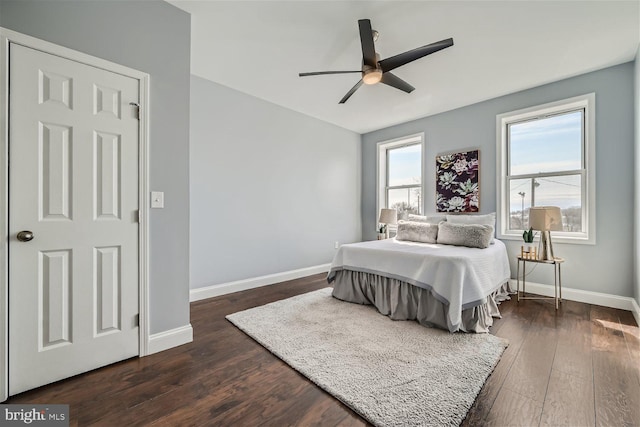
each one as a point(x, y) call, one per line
point(470, 235)
point(414, 231)
point(488, 219)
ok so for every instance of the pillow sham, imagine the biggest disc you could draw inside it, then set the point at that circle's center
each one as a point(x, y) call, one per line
point(416, 218)
point(470, 235)
point(415, 231)
point(488, 219)
point(432, 219)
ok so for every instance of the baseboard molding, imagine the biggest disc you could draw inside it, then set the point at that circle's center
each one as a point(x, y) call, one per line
point(636, 311)
point(169, 339)
point(254, 282)
point(571, 294)
point(589, 297)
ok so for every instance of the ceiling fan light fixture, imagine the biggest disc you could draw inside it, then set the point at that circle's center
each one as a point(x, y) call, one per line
point(372, 76)
point(374, 70)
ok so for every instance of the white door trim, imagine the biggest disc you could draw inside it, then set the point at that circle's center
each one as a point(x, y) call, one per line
point(9, 36)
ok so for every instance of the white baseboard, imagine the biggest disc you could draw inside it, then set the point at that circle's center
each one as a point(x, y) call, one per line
point(254, 282)
point(169, 339)
point(589, 297)
point(636, 311)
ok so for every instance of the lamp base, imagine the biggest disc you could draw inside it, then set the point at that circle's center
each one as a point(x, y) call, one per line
point(546, 247)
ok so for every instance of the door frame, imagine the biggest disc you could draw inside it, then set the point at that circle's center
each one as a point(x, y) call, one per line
point(9, 36)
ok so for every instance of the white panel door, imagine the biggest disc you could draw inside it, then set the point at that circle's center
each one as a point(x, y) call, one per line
point(73, 184)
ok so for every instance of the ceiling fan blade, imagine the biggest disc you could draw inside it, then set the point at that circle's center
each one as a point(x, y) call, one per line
point(366, 40)
point(348, 95)
point(397, 82)
point(393, 62)
point(319, 73)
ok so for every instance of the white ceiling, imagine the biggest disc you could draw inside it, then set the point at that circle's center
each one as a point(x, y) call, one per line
point(259, 47)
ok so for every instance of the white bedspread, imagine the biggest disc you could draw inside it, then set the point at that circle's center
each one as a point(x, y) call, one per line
point(459, 276)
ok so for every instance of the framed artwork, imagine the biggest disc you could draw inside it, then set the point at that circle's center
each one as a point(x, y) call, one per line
point(457, 182)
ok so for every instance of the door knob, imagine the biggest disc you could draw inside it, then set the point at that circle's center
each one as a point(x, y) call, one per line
point(25, 236)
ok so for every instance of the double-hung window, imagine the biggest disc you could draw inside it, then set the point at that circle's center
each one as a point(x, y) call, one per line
point(546, 158)
point(400, 170)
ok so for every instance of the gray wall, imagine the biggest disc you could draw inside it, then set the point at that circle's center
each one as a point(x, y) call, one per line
point(154, 37)
point(271, 189)
point(606, 267)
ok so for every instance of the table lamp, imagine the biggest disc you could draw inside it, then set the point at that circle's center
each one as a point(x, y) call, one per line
point(545, 219)
point(388, 217)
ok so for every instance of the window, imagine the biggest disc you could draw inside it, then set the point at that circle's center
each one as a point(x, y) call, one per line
point(400, 175)
point(546, 158)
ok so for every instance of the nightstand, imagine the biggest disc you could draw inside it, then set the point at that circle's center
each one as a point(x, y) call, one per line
point(557, 277)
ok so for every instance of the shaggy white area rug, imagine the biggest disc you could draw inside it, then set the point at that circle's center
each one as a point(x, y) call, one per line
point(392, 373)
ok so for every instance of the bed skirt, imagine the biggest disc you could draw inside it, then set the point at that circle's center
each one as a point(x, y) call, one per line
point(402, 301)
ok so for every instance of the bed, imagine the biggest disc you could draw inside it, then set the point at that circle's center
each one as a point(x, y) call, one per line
point(451, 287)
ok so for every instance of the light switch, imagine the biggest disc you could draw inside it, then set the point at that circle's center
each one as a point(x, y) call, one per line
point(157, 199)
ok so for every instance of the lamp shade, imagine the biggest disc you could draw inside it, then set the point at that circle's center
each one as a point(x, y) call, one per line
point(545, 218)
point(388, 216)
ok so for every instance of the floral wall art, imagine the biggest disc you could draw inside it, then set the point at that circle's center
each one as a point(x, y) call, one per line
point(457, 186)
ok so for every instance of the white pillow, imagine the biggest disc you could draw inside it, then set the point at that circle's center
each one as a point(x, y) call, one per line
point(415, 231)
point(432, 219)
point(470, 235)
point(488, 219)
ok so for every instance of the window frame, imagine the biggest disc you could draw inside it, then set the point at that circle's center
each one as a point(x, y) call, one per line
point(588, 170)
point(382, 170)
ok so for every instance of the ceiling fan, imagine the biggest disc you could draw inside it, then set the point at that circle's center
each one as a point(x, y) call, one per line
point(375, 70)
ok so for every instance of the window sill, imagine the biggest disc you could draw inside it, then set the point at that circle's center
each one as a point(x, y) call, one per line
point(555, 239)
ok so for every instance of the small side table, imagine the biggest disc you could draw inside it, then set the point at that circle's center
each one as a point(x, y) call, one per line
point(557, 277)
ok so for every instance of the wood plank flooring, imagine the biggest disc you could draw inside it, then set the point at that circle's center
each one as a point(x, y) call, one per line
point(579, 366)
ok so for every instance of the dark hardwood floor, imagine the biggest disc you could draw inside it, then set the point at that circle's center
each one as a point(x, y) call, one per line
point(579, 366)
